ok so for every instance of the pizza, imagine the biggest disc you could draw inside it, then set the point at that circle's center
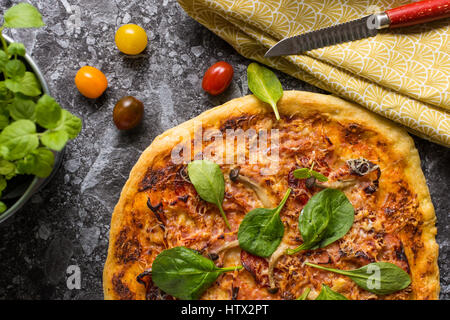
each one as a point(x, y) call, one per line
point(371, 160)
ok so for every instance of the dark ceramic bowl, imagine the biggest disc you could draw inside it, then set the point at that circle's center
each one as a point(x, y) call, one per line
point(21, 188)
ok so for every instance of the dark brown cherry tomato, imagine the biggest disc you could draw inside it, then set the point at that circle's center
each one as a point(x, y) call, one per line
point(128, 113)
point(217, 78)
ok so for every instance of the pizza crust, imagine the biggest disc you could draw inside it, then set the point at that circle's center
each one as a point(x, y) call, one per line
point(423, 263)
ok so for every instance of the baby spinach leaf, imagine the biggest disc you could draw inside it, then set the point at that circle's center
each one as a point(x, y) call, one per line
point(305, 173)
point(209, 183)
point(4, 117)
point(15, 69)
point(184, 273)
point(23, 15)
point(305, 294)
point(380, 277)
point(48, 112)
point(39, 163)
point(28, 85)
point(327, 294)
point(22, 109)
point(320, 177)
point(2, 184)
point(21, 151)
point(16, 48)
point(19, 138)
point(302, 173)
point(2, 207)
point(326, 217)
point(265, 85)
point(7, 168)
point(70, 124)
point(262, 230)
point(55, 140)
point(3, 60)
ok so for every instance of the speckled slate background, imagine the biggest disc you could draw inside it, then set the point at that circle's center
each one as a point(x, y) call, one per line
point(67, 223)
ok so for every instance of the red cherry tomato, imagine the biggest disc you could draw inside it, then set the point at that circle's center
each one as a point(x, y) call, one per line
point(217, 78)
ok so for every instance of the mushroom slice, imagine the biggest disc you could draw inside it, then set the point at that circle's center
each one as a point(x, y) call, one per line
point(227, 246)
point(260, 192)
point(281, 250)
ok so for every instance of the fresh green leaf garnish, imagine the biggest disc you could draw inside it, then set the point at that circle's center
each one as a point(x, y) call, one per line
point(23, 15)
point(39, 163)
point(184, 273)
point(327, 294)
point(31, 125)
point(305, 173)
point(3, 60)
point(262, 230)
point(15, 69)
point(48, 112)
point(7, 168)
point(22, 108)
point(209, 183)
point(70, 124)
point(4, 117)
point(55, 140)
point(2, 207)
point(380, 277)
point(27, 85)
point(326, 217)
point(20, 138)
point(265, 85)
point(2, 184)
point(305, 294)
point(302, 173)
point(16, 48)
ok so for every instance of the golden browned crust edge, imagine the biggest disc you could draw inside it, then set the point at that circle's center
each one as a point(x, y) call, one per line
point(424, 267)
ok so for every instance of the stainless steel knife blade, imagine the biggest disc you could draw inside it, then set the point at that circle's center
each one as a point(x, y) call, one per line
point(349, 31)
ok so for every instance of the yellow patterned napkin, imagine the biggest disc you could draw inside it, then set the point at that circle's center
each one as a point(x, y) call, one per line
point(403, 75)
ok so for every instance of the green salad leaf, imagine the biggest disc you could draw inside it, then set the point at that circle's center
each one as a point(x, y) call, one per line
point(16, 48)
point(23, 15)
point(262, 230)
point(327, 294)
point(32, 125)
point(7, 168)
point(209, 183)
point(305, 173)
point(39, 163)
point(3, 60)
point(15, 69)
point(22, 108)
point(27, 85)
point(2, 207)
point(326, 217)
point(305, 294)
point(19, 138)
point(380, 277)
point(265, 85)
point(184, 273)
point(48, 112)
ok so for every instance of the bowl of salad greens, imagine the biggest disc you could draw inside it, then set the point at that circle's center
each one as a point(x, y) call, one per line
point(34, 129)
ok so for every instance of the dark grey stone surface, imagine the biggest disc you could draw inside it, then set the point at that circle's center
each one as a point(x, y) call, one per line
point(67, 223)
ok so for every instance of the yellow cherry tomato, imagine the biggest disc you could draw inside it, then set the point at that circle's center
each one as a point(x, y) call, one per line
point(131, 39)
point(91, 82)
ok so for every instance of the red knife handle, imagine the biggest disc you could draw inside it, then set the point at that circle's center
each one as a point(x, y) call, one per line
point(418, 12)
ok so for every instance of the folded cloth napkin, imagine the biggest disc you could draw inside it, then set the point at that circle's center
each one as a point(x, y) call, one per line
point(402, 75)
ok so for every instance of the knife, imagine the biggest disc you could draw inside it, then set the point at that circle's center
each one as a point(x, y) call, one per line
point(407, 15)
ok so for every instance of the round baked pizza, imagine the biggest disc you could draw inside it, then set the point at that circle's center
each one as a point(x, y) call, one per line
point(328, 202)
